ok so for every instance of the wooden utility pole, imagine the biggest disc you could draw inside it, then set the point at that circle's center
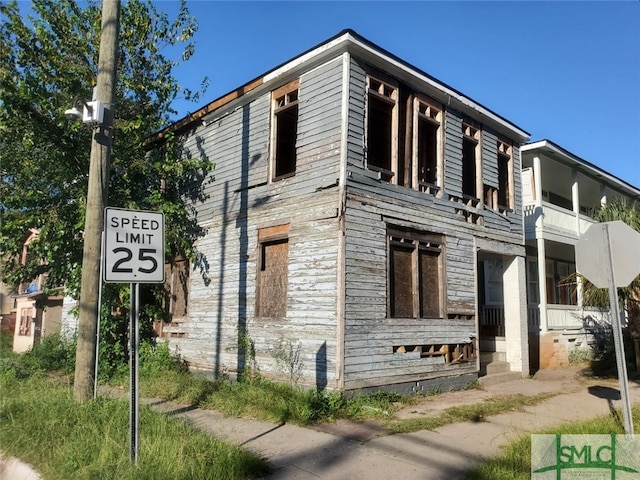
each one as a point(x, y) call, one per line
point(97, 195)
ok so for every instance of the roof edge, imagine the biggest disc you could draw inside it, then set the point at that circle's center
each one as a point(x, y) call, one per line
point(550, 145)
point(342, 39)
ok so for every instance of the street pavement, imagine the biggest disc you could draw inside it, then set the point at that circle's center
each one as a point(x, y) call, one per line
point(351, 451)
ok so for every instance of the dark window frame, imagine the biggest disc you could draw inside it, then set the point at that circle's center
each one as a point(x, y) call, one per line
point(382, 127)
point(428, 146)
point(284, 126)
point(471, 160)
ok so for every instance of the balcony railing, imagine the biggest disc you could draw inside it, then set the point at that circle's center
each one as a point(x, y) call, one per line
point(568, 317)
point(556, 218)
point(492, 321)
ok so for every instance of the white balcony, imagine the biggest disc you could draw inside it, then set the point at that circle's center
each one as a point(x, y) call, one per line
point(551, 218)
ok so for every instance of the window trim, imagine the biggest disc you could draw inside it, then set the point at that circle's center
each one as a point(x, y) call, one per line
point(276, 95)
point(26, 320)
point(505, 150)
point(420, 101)
point(378, 90)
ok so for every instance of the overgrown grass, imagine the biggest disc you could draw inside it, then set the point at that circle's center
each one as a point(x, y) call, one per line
point(266, 400)
point(6, 343)
point(475, 412)
point(514, 463)
point(91, 440)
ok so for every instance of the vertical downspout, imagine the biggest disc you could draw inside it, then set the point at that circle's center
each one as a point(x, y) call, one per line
point(341, 273)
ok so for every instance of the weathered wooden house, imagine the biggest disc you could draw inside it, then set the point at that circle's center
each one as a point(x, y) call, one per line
point(364, 229)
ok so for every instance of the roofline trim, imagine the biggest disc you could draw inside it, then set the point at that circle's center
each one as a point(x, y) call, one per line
point(548, 144)
point(342, 40)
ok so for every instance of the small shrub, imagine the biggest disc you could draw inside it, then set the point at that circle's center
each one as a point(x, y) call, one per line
point(289, 359)
point(580, 355)
point(156, 359)
point(53, 353)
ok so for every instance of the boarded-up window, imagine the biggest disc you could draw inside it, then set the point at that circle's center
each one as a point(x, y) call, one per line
point(285, 130)
point(415, 279)
point(272, 285)
point(429, 282)
point(402, 281)
point(176, 288)
point(25, 321)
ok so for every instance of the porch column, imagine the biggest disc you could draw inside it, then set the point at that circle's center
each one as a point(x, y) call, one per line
point(541, 252)
point(516, 330)
point(575, 199)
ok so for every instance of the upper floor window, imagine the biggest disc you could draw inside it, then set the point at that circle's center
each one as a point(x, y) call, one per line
point(284, 131)
point(427, 145)
point(382, 128)
point(470, 160)
point(505, 176)
point(415, 274)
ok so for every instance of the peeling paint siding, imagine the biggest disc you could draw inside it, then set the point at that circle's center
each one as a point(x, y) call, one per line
point(489, 158)
point(516, 217)
point(355, 130)
point(241, 200)
point(453, 152)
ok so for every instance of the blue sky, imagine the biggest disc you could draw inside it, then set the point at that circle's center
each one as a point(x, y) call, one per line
point(565, 71)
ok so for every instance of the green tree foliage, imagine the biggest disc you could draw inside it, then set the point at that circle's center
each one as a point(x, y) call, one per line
point(48, 61)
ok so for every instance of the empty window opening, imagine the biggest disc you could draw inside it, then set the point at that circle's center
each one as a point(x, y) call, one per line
point(285, 130)
point(428, 121)
point(381, 128)
point(505, 174)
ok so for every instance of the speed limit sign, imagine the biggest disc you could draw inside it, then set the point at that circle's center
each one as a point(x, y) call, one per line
point(133, 246)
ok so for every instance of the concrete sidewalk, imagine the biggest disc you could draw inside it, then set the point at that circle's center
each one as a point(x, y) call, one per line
point(347, 450)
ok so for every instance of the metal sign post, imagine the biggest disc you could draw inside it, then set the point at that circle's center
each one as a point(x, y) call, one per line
point(134, 342)
point(618, 341)
point(607, 255)
point(133, 253)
